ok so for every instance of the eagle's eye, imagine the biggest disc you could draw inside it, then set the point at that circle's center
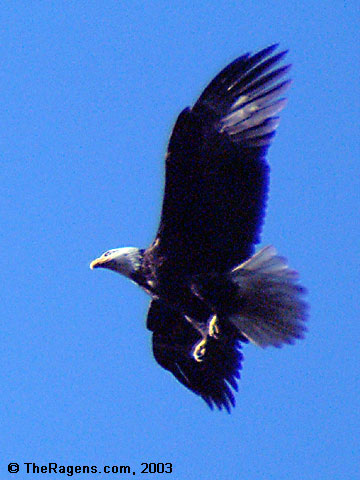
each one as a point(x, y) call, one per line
point(106, 254)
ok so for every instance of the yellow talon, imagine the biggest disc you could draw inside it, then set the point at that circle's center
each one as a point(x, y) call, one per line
point(200, 351)
point(214, 329)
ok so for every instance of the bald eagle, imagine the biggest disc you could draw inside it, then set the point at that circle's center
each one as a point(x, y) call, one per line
point(209, 291)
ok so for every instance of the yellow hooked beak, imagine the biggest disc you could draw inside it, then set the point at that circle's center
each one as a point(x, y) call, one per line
point(98, 262)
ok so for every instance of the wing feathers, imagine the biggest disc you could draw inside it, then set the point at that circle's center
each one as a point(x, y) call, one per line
point(255, 107)
point(216, 173)
point(231, 73)
point(254, 116)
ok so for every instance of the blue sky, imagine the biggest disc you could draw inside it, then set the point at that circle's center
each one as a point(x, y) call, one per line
point(89, 92)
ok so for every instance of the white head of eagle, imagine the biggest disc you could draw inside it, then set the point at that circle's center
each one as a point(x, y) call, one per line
point(209, 292)
point(126, 260)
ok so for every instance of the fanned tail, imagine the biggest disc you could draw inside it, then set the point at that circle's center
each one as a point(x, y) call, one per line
point(272, 309)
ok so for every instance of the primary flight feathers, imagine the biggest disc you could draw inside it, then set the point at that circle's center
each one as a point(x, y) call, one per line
point(209, 292)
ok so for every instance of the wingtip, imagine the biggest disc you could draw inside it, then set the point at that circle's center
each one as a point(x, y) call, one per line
point(271, 48)
point(275, 45)
point(266, 54)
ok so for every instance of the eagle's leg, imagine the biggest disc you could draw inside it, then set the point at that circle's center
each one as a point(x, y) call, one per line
point(199, 351)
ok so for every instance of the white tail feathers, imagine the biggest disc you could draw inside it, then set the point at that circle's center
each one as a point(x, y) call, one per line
point(271, 310)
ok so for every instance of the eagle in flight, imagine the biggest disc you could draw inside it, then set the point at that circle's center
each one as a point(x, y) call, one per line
point(209, 292)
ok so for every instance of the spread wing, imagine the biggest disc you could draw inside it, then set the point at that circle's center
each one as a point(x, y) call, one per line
point(174, 339)
point(216, 173)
